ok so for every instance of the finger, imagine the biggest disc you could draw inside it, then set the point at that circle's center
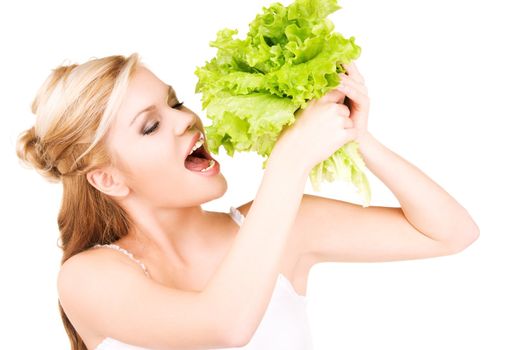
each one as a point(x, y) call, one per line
point(349, 85)
point(342, 110)
point(352, 67)
point(354, 72)
point(357, 98)
point(348, 123)
point(351, 70)
point(334, 95)
point(345, 78)
point(351, 82)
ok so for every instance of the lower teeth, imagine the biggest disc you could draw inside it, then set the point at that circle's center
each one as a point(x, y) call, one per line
point(212, 163)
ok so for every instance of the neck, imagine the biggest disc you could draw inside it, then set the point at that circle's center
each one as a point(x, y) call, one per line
point(175, 234)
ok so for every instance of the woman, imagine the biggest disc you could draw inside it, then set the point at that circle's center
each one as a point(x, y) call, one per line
point(179, 277)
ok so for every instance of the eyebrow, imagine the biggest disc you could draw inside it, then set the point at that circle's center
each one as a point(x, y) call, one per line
point(152, 107)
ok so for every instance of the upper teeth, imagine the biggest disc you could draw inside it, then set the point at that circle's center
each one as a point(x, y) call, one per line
point(199, 143)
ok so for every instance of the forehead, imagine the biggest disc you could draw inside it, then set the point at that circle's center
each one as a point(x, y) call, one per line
point(144, 88)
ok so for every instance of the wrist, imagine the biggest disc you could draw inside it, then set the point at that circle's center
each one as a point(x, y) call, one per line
point(369, 147)
point(366, 140)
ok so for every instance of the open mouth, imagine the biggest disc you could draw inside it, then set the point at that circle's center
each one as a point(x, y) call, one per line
point(200, 152)
point(199, 160)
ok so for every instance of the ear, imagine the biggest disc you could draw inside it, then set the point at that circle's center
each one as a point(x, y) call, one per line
point(107, 181)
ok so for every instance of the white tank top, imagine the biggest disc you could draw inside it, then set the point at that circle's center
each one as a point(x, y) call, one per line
point(284, 325)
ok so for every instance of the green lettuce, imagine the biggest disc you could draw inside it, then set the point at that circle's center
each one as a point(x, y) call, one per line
point(253, 87)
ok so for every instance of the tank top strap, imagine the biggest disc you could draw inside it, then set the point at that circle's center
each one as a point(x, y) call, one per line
point(122, 250)
point(236, 215)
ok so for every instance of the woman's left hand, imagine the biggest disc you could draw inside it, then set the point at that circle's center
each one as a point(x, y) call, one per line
point(353, 86)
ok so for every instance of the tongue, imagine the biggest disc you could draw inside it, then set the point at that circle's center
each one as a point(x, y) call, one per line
point(195, 163)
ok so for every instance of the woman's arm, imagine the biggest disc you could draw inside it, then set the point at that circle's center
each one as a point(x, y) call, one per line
point(251, 267)
point(426, 205)
point(429, 222)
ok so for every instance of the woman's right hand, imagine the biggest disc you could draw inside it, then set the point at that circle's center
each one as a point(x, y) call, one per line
point(318, 131)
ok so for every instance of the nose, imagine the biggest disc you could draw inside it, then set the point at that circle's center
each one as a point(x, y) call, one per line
point(184, 121)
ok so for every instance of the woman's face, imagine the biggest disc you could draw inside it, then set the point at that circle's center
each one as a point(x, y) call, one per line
point(150, 148)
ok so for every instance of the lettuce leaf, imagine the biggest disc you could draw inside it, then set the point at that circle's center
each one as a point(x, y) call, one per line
point(253, 87)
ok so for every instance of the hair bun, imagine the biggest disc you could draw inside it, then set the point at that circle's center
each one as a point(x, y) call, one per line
point(32, 153)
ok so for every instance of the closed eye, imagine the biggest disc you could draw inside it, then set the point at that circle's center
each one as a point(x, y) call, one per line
point(173, 102)
point(177, 105)
point(172, 99)
point(151, 129)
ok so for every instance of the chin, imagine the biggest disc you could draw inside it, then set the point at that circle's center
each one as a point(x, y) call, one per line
point(215, 189)
point(220, 186)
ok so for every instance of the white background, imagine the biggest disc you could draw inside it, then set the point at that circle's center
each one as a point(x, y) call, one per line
point(446, 83)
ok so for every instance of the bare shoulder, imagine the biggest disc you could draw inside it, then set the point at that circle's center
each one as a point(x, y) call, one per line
point(99, 290)
point(82, 273)
point(93, 259)
point(96, 259)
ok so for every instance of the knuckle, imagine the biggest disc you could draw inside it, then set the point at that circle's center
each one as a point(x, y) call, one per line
point(332, 108)
point(343, 110)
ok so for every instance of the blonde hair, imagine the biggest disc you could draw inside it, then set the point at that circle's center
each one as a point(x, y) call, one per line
point(74, 109)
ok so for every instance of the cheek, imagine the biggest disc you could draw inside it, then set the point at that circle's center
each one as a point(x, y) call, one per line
point(160, 170)
point(158, 161)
